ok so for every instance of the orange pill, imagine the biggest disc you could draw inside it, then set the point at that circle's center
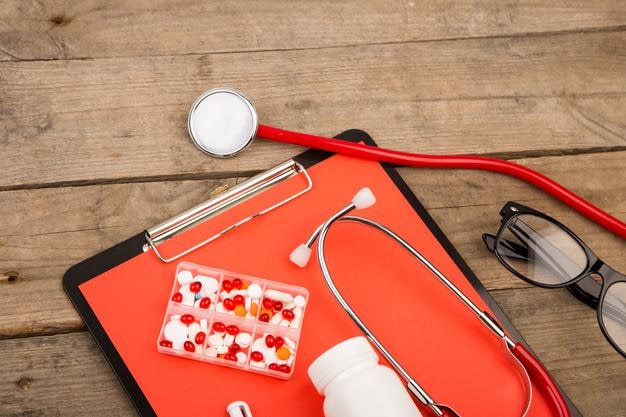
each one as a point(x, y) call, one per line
point(254, 307)
point(270, 313)
point(283, 353)
point(240, 311)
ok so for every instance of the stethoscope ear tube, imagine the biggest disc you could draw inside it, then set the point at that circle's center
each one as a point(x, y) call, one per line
point(500, 166)
point(532, 368)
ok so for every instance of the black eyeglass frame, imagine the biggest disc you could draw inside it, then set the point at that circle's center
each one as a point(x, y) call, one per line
point(582, 286)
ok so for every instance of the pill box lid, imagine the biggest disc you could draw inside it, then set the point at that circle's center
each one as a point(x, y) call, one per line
point(338, 359)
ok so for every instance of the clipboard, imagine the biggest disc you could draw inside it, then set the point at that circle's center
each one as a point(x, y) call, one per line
point(121, 295)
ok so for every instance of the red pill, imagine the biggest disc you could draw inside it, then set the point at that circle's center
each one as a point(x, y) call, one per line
point(200, 337)
point(284, 368)
point(237, 283)
point(165, 343)
point(205, 302)
point(288, 314)
point(195, 286)
point(278, 305)
point(264, 317)
point(278, 342)
point(189, 346)
point(219, 327)
point(232, 329)
point(178, 297)
point(227, 285)
point(256, 356)
point(234, 348)
point(239, 299)
point(268, 304)
point(187, 318)
point(229, 304)
point(270, 341)
point(230, 357)
point(273, 366)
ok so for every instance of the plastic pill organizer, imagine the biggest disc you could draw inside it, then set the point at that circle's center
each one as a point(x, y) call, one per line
point(233, 320)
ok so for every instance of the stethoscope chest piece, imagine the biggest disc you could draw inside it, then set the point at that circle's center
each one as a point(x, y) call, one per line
point(222, 122)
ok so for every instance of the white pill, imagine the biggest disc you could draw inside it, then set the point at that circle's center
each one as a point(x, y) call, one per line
point(290, 343)
point(175, 317)
point(184, 277)
point(290, 361)
point(222, 349)
point(178, 344)
point(276, 318)
point(247, 304)
point(299, 301)
point(215, 341)
point(284, 323)
point(243, 339)
point(174, 330)
point(194, 328)
point(269, 355)
point(297, 318)
point(279, 296)
point(213, 297)
point(188, 297)
point(204, 326)
point(255, 291)
point(220, 308)
point(242, 292)
point(289, 306)
point(209, 285)
point(229, 339)
point(241, 357)
point(224, 295)
point(211, 352)
point(259, 345)
point(256, 364)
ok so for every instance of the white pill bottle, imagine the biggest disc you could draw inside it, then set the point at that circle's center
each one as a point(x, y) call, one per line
point(356, 385)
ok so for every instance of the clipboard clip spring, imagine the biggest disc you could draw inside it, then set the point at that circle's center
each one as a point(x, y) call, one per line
point(222, 202)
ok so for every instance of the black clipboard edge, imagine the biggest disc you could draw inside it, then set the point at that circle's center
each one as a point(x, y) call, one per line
point(128, 249)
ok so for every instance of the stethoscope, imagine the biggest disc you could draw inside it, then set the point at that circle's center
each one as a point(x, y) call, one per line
point(222, 122)
point(526, 362)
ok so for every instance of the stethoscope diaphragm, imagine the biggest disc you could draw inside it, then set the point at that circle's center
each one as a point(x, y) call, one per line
point(222, 122)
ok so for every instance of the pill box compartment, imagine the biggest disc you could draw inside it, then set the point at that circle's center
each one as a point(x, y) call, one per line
point(264, 308)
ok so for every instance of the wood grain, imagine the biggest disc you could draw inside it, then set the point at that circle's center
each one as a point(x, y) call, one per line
point(66, 375)
point(61, 29)
point(48, 230)
point(86, 121)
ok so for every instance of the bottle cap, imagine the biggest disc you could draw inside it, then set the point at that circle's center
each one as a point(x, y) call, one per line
point(339, 358)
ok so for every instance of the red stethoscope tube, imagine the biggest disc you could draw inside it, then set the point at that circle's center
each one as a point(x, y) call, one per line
point(512, 169)
point(541, 379)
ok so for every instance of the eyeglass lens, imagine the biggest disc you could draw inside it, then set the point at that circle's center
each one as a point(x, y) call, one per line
point(540, 250)
point(614, 314)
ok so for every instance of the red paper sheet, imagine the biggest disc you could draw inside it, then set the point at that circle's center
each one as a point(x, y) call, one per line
point(443, 346)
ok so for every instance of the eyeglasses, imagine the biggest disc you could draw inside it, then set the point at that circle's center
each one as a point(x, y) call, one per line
point(542, 251)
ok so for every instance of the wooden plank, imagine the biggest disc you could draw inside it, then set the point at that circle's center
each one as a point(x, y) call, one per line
point(60, 29)
point(525, 96)
point(66, 375)
point(46, 231)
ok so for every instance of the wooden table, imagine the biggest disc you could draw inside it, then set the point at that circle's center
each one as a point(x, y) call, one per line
point(93, 145)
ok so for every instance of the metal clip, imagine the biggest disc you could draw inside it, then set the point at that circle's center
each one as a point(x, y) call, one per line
point(223, 201)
